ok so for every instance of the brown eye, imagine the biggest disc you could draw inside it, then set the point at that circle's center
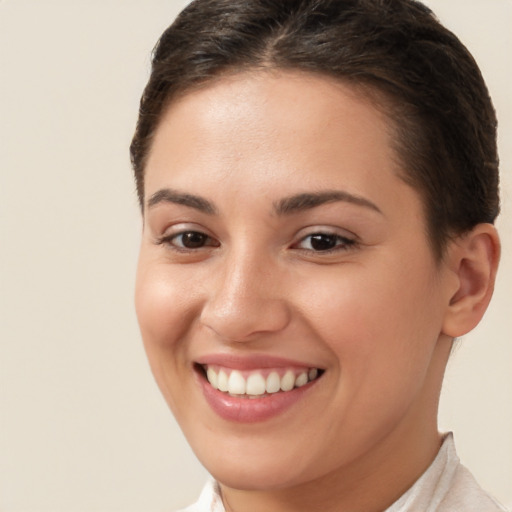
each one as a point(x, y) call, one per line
point(192, 240)
point(324, 242)
point(188, 241)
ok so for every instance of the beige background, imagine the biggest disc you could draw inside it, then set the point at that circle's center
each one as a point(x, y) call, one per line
point(82, 425)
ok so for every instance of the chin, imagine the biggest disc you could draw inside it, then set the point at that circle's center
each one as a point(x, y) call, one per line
point(253, 465)
point(269, 477)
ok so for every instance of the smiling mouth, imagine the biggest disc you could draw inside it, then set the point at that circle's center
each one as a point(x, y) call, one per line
point(257, 383)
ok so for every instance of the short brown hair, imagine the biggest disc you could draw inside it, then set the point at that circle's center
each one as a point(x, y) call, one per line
point(442, 116)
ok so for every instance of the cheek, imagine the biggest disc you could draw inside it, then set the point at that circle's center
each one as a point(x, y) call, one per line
point(165, 309)
point(163, 305)
point(382, 316)
point(381, 330)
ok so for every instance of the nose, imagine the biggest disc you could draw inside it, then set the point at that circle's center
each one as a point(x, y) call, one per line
point(246, 300)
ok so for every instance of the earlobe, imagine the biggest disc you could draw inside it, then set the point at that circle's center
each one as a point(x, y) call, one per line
point(474, 258)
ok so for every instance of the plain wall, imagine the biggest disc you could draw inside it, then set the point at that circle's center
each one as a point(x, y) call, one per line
point(82, 424)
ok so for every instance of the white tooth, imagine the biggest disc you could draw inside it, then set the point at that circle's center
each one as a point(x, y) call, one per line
point(301, 380)
point(236, 383)
point(255, 384)
point(273, 384)
point(288, 381)
point(211, 375)
point(313, 374)
point(222, 381)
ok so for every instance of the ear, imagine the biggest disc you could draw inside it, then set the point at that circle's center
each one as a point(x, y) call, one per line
point(473, 258)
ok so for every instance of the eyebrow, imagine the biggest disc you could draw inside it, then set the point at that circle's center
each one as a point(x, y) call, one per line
point(306, 201)
point(167, 195)
point(285, 206)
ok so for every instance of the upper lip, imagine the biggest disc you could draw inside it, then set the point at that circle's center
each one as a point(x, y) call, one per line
point(251, 362)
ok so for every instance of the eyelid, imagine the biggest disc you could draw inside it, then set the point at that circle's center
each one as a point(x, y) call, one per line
point(326, 230)
point(177, 228)
point(174, 231)
point(347, 240)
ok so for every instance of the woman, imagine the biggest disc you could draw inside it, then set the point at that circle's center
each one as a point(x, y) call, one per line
point(318, 181)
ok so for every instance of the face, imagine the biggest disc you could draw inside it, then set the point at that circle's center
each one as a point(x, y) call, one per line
point(289, 302)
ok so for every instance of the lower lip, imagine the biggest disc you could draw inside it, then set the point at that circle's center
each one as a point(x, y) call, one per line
point(252, 410)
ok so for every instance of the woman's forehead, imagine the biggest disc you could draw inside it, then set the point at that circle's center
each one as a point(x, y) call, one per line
point(269, 118)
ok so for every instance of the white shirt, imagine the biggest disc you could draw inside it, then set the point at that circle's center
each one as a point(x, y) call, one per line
point(446, 486)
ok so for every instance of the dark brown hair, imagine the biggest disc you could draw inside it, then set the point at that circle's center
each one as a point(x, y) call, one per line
point(427, 81)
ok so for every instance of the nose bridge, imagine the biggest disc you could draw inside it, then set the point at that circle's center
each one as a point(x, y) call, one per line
point(246, 299)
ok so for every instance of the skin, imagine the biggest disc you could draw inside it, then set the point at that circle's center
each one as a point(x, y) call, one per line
point(378, 313)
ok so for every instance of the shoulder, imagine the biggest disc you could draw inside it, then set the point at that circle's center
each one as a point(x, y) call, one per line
point(446, 486)
point(466, 494)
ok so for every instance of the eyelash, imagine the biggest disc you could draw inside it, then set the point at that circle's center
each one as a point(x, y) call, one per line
point(169, 240)
point(341, 243)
